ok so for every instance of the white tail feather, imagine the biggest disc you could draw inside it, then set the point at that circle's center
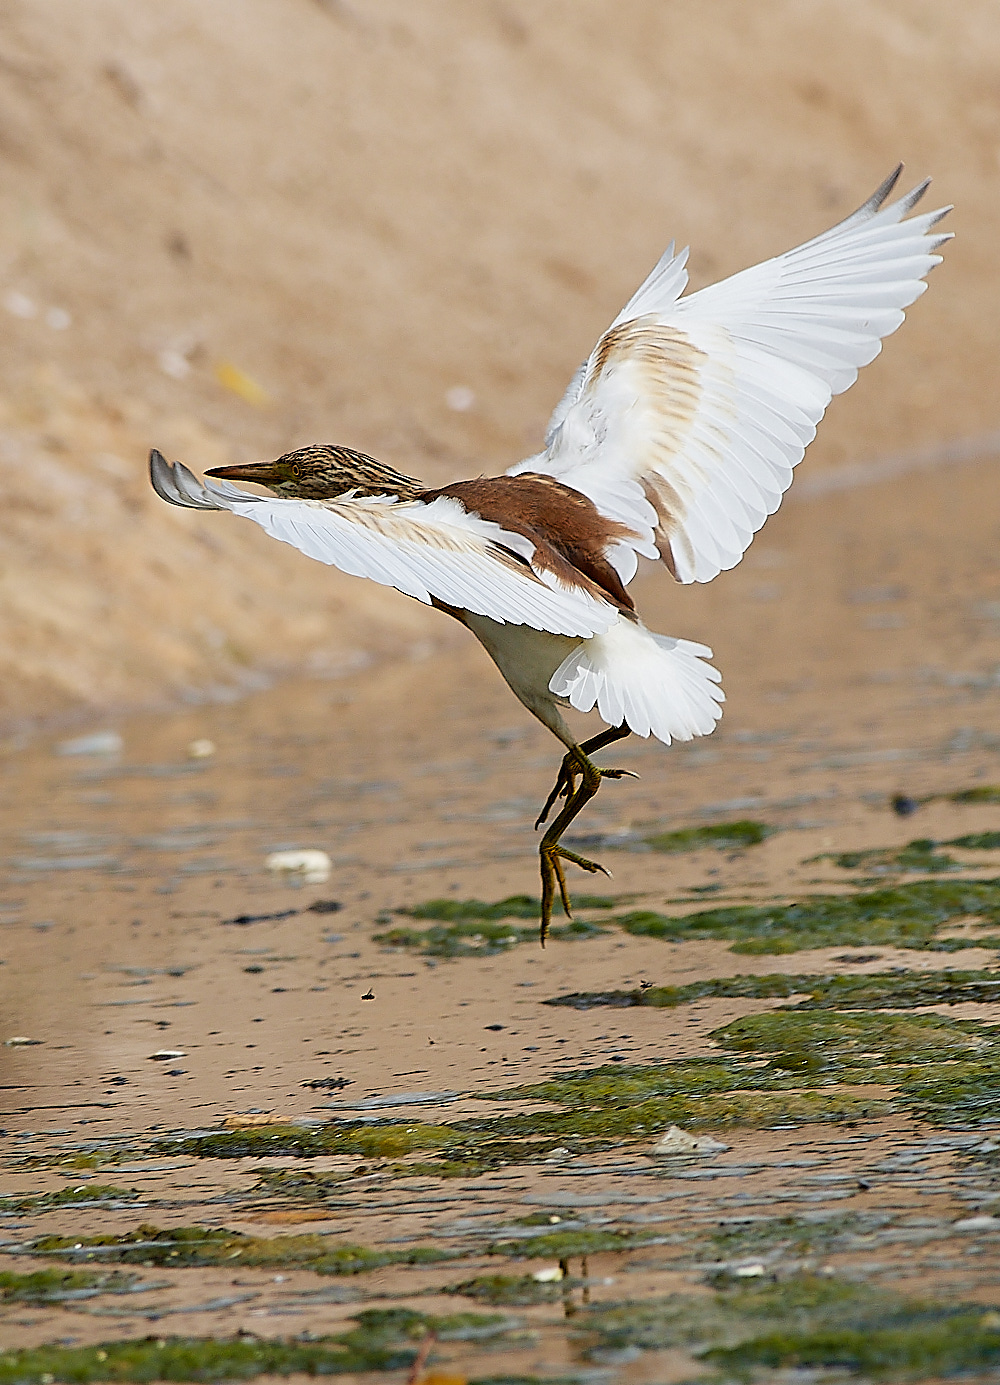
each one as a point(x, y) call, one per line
point(656, 685)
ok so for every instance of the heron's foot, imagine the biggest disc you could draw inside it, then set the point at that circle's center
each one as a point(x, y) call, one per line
point(551, 856)
point(565, 785)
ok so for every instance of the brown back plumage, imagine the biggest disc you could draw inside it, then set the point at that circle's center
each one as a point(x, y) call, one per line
point(569, 532)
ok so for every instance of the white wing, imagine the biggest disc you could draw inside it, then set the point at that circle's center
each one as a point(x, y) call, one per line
point(690, 414)
point(434, 550)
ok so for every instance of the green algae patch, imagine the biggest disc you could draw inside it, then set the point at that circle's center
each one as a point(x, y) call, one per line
point(956, 1344)
point(806, 1322)
point(616, 1102)
point(981, 793)
point(877, 990)
point(753, 1107)
point(909, 916)
point(824, 1040)
point(303, 1184)
point(86, 1160)
point(475, 928)
point(791, 1235)
point(506, 1290)
point(390, 1141)
point(958, 1094)
point(381, 1340)
point(480, 938)
point(198, 1358)
point(560, 1245)
point(624, 1089)
point(723, 836)
point(977, 841)
point(185, 1246)
point(62, 1286)
point(479, 1153)
point(811, 1062)
point(517, 906)
point(897, 990)
point(84, 1195)
point(668, 997)
point(920, 856)
point(946, 1070)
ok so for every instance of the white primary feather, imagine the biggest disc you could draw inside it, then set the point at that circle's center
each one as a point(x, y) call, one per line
point(430, 550)
point(435, 550)
point(690, 414)
point(654, 684)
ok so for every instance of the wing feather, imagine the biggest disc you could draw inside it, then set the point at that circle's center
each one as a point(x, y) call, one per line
point(691, 412)
point(434, 551)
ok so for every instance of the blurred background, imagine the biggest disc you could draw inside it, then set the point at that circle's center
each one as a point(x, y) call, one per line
point(231, 229)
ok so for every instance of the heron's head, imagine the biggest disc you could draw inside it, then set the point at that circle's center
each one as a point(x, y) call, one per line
point(323, 473)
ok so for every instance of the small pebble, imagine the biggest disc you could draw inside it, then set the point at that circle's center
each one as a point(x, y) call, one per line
point(678, 1141)
point(548, 1276)
point(201, 749)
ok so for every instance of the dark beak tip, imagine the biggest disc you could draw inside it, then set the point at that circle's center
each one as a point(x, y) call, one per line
point(242, 473)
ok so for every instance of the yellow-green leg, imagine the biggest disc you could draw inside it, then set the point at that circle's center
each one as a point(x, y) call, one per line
point(566, 779)
point(551, 854)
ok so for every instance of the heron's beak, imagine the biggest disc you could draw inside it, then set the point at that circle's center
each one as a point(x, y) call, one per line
point(262, 473)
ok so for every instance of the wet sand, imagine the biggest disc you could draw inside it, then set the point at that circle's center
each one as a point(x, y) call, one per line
point(859, 643)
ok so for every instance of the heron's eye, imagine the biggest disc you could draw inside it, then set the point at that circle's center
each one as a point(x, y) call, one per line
point(296, 470)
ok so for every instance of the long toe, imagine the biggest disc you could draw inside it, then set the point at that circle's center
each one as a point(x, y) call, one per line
point(594, 867)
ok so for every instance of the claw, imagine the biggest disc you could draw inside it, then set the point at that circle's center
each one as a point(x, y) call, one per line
point(575, 765)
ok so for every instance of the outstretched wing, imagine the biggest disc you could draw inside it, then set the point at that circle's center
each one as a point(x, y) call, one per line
point(687, 420)
point(436, 551)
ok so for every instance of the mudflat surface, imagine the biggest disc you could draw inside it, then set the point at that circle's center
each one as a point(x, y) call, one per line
point(214, 1047)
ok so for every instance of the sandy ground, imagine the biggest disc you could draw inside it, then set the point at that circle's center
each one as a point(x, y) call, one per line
point(227, 231)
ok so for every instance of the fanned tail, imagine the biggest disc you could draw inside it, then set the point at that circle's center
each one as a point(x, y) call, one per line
point(656, 685)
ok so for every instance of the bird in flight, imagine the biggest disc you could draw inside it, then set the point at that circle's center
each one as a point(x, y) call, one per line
point(674, 441)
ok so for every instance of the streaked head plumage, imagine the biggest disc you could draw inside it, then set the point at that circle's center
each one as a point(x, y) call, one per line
point(323, 472)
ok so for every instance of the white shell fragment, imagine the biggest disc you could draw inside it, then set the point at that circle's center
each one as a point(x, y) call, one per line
point(311, 867)
point(548, 1276)
point(20, 1041)
point(678, 1141)
point(164, 1055)
point(201, 749)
